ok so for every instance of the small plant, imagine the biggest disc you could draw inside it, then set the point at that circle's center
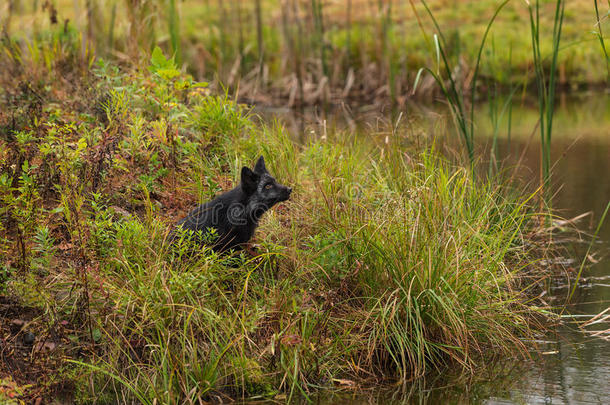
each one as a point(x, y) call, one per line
point(103, 230)
point(44, 247)
point(20, 207)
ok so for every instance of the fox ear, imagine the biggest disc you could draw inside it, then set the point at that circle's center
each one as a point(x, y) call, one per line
point(259, 167)
point(249, 180)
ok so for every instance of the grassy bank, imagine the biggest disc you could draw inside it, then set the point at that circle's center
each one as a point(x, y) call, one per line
point(387, 263)
point(309, 52)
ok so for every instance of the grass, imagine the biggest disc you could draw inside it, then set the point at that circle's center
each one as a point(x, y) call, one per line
point(388, 263)
point(379, 42)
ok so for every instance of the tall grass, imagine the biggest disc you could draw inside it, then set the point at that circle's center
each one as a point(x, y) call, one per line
point(600, 36)
point(414, 267)
point(174, 30)
point(546, 83)
point(452, 89)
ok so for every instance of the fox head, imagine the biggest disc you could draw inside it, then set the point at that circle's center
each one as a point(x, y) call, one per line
point(262, 190)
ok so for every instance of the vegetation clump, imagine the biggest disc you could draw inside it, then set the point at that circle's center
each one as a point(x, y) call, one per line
point(387, 263)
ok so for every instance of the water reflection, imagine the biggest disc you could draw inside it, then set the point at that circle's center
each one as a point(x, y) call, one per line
point(575, 368)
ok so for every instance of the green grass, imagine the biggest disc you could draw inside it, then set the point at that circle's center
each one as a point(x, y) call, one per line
point(387, 263)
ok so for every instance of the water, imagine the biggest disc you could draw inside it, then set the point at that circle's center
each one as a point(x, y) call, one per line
point(575, 368)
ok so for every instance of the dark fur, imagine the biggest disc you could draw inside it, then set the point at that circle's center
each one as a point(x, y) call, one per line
point(235, 214)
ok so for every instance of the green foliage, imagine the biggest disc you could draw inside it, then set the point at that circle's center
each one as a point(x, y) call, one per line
point(11, 392)
point(103, 230)
point(165, 68)
point(219, 117)
point(44, 247)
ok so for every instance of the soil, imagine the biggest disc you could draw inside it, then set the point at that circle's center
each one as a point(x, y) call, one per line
point(31, 352)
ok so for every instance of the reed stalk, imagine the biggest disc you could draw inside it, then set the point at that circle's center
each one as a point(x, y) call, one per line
point(111, 26)
point(348, 40)
point(259, 37)
point(173, 20)
point(600, 36)
point(240, 37)
point(387, 50)
point(462, 114)
point(546, 86)
point(318, 19)
point(6, 21)
point(222, 24)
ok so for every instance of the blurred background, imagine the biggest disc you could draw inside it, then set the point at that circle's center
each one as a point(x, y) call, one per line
point(305, 52)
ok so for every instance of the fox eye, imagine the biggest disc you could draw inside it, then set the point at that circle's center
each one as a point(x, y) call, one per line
point(268, 186)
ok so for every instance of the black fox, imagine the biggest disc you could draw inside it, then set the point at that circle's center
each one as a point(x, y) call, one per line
point(233, 216)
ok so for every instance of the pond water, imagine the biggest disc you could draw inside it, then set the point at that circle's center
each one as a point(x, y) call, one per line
point(575, 366)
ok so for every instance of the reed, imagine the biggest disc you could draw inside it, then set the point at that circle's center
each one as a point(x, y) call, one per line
point(499, 108)
point(546, 83)
point(600, 36)
point(173, 21)
point(5, 21)
point(319, 39)
point(141, 33)
point(259, 38)
point(111, 27)
point(462, 113)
